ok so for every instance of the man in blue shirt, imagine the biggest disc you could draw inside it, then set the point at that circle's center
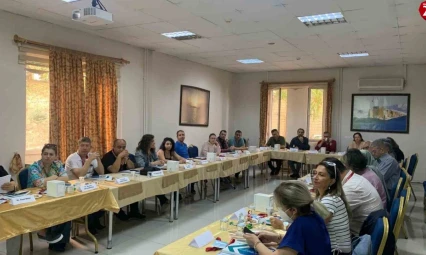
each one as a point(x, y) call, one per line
point(182, 150)
point(237, 143)
point(302, 143)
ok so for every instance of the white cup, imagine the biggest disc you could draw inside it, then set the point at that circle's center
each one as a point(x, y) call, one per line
point(323, 150)
point(81, 179)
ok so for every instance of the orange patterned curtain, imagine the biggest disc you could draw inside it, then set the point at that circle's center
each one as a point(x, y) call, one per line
point(66, 101)
point(263, 122)
point(329, 107)
point(101, 103)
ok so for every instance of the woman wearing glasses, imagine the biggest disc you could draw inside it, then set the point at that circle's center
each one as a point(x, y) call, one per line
point(329, 191)
point(306, 235)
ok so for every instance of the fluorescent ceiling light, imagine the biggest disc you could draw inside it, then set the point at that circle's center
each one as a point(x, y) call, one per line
point(323, 19)
point(250, 61)
point(353, 54)
point(70, 1)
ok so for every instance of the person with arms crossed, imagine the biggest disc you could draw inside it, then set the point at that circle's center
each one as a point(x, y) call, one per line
point(117, 160)
point(223, 142)
point(167, 151)
point(302, 143)
point(327, 142)
point(275, 139)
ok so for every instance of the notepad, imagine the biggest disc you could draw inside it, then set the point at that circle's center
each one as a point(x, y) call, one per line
point(3, 180)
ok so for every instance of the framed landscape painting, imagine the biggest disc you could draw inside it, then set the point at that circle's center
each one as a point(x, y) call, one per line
point(386, 113)
point(194, 106)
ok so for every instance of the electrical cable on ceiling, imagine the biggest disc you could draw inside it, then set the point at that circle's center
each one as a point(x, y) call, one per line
point(98, 3)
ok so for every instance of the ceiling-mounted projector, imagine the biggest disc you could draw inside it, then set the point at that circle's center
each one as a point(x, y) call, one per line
point(92, 16)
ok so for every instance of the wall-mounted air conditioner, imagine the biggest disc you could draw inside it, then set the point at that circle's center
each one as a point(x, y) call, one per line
point(381, 84)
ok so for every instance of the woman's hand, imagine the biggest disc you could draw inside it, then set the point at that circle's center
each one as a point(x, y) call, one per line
point(8, 186)
point(251, 239)
point(269, 237)
point(277, 223)
point(182, 161)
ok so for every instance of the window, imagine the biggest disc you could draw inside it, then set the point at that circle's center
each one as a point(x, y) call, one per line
point(298, 106)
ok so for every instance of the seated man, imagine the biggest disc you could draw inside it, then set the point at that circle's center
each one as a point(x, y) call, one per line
point(302, 143)
point(117, 160)
point(223, 142)
point(82, 164)
point(237, 143)
point(182, 150)
point(327, 142)
point(276, 139)
point(362, 197)
point(388, 166)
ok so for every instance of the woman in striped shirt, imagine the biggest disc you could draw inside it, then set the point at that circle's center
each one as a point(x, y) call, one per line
point(329, 191)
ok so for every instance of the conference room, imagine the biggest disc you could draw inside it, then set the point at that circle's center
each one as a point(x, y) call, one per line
point(175, 127)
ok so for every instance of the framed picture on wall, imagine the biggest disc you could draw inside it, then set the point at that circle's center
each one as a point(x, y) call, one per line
point(386, 113)
point(194, 106)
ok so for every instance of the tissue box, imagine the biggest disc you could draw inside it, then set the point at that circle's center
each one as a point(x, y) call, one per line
point(172, 166)
point(252, 149)
point(211, 156)
point(263, 201)
point(56, 188)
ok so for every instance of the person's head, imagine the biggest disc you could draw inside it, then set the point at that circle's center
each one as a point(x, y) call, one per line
point(368, 157)
point(84, 145)
point(378, 148)
point(388, 146)
point(49, 153)
point(222, 134)
point(168, 144)
point(355, 160)
point(180, 136)
point(358, 137)
point(212, 138)
point(238, 134)
point(119, 146)
point(392, 142)
point(275, 133)
point(340, 167)
point(300, 132)
point(326, 135)
point(293, 198)
point(146, 144)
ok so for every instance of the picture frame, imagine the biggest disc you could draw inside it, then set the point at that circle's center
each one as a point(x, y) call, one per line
point(381, 113)
point(194, 106)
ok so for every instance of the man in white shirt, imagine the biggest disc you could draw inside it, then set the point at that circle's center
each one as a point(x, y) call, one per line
point(83, 163)
point(362, 197)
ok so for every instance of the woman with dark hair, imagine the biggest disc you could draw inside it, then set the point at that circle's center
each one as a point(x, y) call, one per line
point(145, 157)
point(357, 162)
point(307, 233)
point(39, 173)
point(399, 155)
point(167, 151)
point(329, 191)
point(358, 142)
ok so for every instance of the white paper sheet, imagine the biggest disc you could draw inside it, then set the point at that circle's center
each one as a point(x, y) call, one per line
point(3, 180)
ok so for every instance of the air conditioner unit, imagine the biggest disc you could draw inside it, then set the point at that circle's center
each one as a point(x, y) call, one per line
point(381, 84)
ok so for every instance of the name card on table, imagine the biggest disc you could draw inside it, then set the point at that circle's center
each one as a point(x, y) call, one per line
point(263, 148)
point(247, 152)
point(294, 150)
point(202, 240)
point(313, 152)
point(188, 166)
point(156, 173)
point(222, 158)
point(236, 215)
point(189, 161)
point(235, 155)
point(122, 180)
point(203, 162)
point(341, 153)
point(22, 200)
point(88, 186)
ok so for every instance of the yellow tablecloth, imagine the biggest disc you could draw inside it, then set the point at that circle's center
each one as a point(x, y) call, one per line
point(287, 155)
point(48, 211)
point(313, 159)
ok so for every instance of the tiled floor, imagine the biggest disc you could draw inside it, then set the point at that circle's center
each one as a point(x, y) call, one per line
point(145, 237)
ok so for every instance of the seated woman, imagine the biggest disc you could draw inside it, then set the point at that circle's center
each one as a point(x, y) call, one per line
point(145, 156)
point(397, 152)
point(306, 235)
point(211, 146)
point(167, 151)
point(358, 142)
point(329, 191)
point(39, 173)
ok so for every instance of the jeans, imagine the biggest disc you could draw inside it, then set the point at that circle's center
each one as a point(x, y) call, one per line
point(275, 169)
point(295, 166)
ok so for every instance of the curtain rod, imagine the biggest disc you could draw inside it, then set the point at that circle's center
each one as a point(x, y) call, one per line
point(18, 39)
point(298, 82)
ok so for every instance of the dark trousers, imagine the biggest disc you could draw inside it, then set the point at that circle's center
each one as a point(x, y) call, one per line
point(273, 168)
point(163, 199)
point(134, 208)
point(94, 219)
point(65, 230)
point(295, 166)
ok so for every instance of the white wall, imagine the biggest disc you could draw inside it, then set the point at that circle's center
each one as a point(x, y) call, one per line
point(168, 73)
point(165, 75)
point(245, 113)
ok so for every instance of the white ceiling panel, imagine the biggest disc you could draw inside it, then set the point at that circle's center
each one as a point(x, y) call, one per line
point(206, 44)
point(307, 7)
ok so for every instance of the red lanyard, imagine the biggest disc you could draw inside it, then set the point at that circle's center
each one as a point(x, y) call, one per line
point(347, 179)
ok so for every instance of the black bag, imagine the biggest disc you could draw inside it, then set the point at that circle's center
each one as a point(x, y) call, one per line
point(147, 169)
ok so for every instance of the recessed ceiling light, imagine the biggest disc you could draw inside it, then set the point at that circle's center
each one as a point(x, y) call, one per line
point(182, 35)
point(323, 19)
point(70, 1)
point(353, 54)
point(250, 61)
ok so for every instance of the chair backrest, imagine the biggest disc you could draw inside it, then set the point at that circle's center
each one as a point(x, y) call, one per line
point(404, 175)
point(193, 151)
point(396, 216)
point(393, 213)
point(394, 189)
point(23, 179)
point(404, 163)
point(379, 235)
point(414, 159)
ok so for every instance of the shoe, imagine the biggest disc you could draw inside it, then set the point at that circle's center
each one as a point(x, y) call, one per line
point(51, 239)
point(60, 247)
point(164, 202)
point(121, 215)
point(136, 215)
point(99, 226)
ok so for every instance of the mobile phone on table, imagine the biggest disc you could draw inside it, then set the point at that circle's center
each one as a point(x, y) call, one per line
point(247, 231)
